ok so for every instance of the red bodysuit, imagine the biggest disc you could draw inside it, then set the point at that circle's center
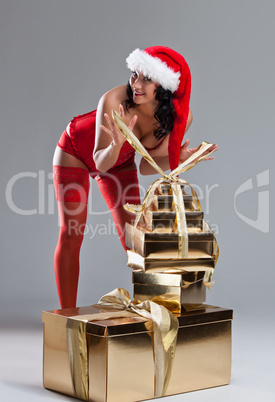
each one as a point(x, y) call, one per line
point(113, 184)
point(81, 143)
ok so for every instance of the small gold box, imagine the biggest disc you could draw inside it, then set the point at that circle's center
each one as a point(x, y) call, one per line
point(200, 244)
point(164, 221)
point(165, 188)
point(120, 354)
point(164, 202)
point(173, 291)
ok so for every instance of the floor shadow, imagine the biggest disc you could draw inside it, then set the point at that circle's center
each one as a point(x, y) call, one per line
point(36, 389)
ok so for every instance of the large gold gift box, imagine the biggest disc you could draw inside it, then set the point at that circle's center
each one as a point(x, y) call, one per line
point(173, 291)
point(120, 353)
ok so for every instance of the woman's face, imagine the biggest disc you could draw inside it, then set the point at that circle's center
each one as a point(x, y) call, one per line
point(143, 88)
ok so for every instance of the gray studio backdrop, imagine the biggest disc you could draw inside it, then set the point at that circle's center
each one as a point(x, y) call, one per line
point(57, 58)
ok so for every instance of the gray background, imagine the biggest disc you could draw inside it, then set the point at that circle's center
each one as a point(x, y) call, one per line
point(57, 58)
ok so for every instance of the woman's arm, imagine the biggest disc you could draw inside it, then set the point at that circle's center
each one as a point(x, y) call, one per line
point(106, 151)
point(108, 139)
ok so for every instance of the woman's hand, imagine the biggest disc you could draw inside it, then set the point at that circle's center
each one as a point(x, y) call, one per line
point(186, 152)
point(114, 132)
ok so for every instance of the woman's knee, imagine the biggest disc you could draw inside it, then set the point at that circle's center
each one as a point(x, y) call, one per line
point(71, 236)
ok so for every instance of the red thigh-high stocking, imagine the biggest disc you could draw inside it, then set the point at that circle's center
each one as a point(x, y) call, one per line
point(72, 188)
point(119, 189)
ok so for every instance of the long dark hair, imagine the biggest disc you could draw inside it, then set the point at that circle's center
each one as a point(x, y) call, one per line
point(164, 113)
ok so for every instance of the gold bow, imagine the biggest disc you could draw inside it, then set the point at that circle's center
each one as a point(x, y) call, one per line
point(171, 178)
point(165, 326)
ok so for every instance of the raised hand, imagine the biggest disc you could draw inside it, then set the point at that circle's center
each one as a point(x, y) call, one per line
point(117, 138)
point(186, 152)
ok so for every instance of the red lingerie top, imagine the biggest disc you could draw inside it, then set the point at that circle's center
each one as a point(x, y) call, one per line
point(81, 143)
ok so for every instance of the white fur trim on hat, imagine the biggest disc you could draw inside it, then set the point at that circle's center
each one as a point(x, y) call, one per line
point(154, 68)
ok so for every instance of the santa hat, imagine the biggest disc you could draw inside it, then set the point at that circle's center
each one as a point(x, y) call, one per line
point(169, 69)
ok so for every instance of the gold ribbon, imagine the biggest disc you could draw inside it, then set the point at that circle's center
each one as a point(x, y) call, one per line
point(171, 178)
point(216, 250)
point(165, 326)
point(206, 280)
point(77, 351)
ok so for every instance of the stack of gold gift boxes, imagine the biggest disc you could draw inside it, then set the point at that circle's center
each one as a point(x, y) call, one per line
point(116, 351)
point(106, 354)
point(159, 274)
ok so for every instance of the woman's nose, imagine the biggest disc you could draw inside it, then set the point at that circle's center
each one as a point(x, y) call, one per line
point(137, 85)
point(137, 82)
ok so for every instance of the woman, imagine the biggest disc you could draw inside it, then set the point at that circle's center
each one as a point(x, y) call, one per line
point(155, 106)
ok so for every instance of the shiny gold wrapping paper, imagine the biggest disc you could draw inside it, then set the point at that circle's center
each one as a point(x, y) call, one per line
point(200, 243)
point(172, 290)
point(121, 366)
point(166, 189)
point(164, 221)
point(168, 262)
point(164, 200)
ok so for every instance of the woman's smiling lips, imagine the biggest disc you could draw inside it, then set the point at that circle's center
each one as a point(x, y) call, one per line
point(138, 93)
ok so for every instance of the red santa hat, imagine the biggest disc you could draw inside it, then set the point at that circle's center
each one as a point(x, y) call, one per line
point(169, 69)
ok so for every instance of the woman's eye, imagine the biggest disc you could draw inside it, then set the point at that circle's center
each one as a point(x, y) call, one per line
point(147, 79)
point(134, 74)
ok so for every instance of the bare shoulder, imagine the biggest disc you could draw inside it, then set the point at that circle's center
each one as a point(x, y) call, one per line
point(113, 97)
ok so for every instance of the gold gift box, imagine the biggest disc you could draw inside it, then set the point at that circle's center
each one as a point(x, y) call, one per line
point(120, 354)
point(200, 244)
point(165, 188)
point(168, 262)
point(164, 221)
point(174, 291)
point(165, 202)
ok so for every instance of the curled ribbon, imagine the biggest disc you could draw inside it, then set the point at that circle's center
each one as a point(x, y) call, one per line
point(175, 185)
point(165, 326)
